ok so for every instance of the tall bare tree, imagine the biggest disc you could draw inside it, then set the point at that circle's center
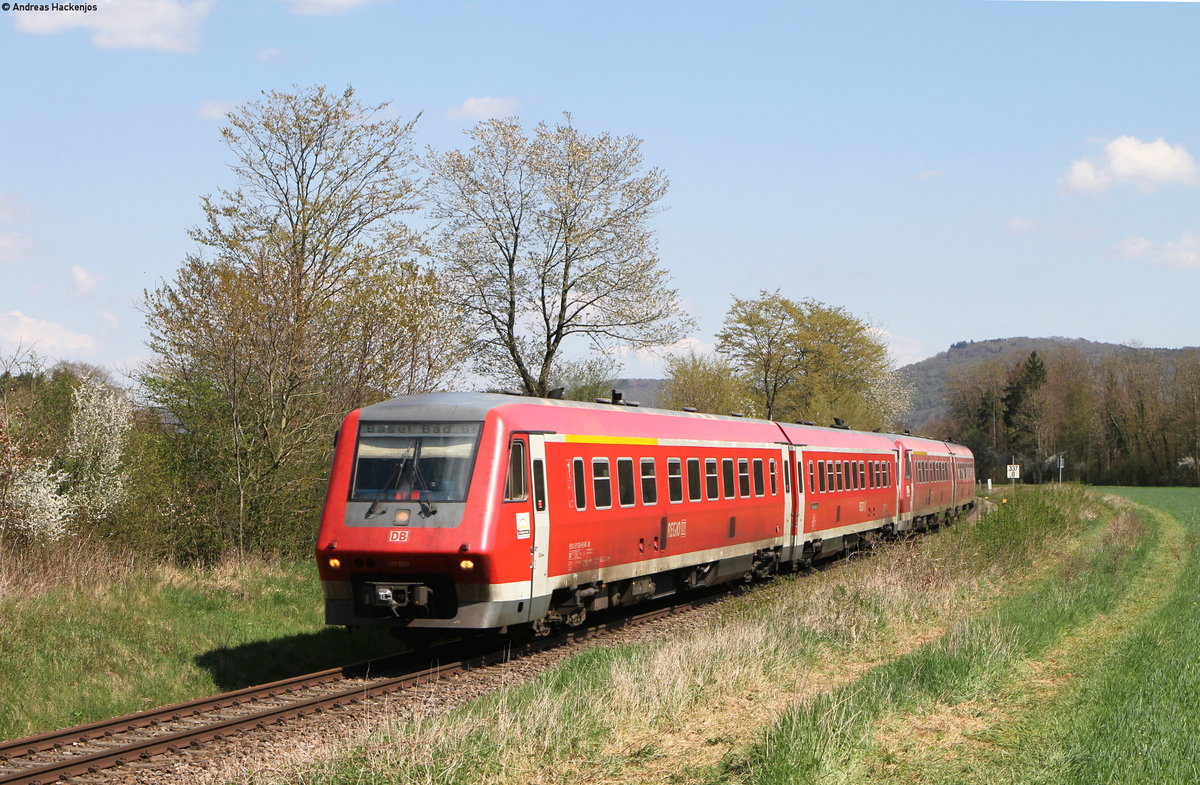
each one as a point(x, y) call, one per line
point(547, 237)
point(300, 302)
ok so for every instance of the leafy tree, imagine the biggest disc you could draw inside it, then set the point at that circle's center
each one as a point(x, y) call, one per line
point(548, 237)
point(586, 379)
point(845, 372)
point(765, 339)
point(300, 303)
point(705, 382)
point(808, 361)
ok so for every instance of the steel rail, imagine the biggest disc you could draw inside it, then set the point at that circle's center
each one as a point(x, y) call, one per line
point(147, 719)
point(43, 773)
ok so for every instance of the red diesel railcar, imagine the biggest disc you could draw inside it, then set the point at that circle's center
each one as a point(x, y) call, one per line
point(473, 511)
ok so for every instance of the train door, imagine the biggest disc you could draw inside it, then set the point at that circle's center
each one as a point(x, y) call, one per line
point(540, 550)
point(904, 483)
point(525, 512)
point(792, 500)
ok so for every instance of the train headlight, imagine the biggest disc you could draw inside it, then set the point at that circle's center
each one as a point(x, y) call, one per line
point(466, 564)
point(335, 563)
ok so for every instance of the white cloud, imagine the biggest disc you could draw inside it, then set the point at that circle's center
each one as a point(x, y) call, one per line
point(931, 174)
point(110, 318)
point(1085, 177)
point(1020, 225)
point(163, 25)
point(85, 282)
point(324, 7)
point(1181, 254)
point(269, 54)
point(1128, 159)
point(484, 108)
point(12, 209)
point(215, 110)
point(14, 247)
point(48, 337)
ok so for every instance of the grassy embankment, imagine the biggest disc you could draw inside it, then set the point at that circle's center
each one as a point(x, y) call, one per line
point(870, 671)
point(88, 636)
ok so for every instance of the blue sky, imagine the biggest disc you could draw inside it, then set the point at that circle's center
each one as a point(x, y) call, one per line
point(953, 170)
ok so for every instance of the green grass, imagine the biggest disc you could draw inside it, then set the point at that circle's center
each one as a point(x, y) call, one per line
point(826, 738)
point(79, 650)
point(1133, 713)
point(669, 711)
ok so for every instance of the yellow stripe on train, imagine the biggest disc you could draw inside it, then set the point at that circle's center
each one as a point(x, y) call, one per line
point(579, 439)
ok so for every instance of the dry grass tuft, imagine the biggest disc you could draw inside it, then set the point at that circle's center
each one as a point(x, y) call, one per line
point(81, 565)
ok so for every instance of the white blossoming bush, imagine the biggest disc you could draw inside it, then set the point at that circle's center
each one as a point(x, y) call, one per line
point(100, 422)
point(84, 480)
point(43, 512)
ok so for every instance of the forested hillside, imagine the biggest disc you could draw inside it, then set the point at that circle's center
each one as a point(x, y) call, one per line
point(929, 377)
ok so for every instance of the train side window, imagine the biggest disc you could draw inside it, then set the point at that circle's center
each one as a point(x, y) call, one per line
point(693, 470)
point(908, 466)
point(871, 474)
point(601, 483)
point(675, 480)
point(862, 473)
point(854, 484)
point(580, 484)
point(812, 478)
point(829, 473)
point(820, 476)
point(744, 478)
point(626, 494)
point(759, 483)
point(649, 482)
point(539, 485)
point(516, 486)
point(727, 476)
point(774, 487)
point(711, 491)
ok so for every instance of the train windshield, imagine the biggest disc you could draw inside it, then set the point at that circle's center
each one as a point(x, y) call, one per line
point(417, 461)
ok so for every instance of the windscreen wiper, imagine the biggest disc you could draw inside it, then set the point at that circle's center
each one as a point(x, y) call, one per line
point(420, 486)
point(393, 482)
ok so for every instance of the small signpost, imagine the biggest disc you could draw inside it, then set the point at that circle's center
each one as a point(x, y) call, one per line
point(1014, 474)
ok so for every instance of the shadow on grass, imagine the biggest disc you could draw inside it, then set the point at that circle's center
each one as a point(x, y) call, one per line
point(265, 661)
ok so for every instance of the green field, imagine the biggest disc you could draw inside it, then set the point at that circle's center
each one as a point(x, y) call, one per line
point(1053, 641)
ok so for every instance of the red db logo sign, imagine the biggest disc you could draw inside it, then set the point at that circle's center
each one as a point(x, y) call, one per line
point(398, 535)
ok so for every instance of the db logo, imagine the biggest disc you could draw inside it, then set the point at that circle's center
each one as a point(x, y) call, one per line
point(398, 535)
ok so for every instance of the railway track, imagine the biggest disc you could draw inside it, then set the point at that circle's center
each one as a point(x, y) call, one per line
point(138, 739)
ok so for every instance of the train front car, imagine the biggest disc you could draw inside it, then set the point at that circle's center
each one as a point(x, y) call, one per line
point(405, 539)
point(470, 511)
